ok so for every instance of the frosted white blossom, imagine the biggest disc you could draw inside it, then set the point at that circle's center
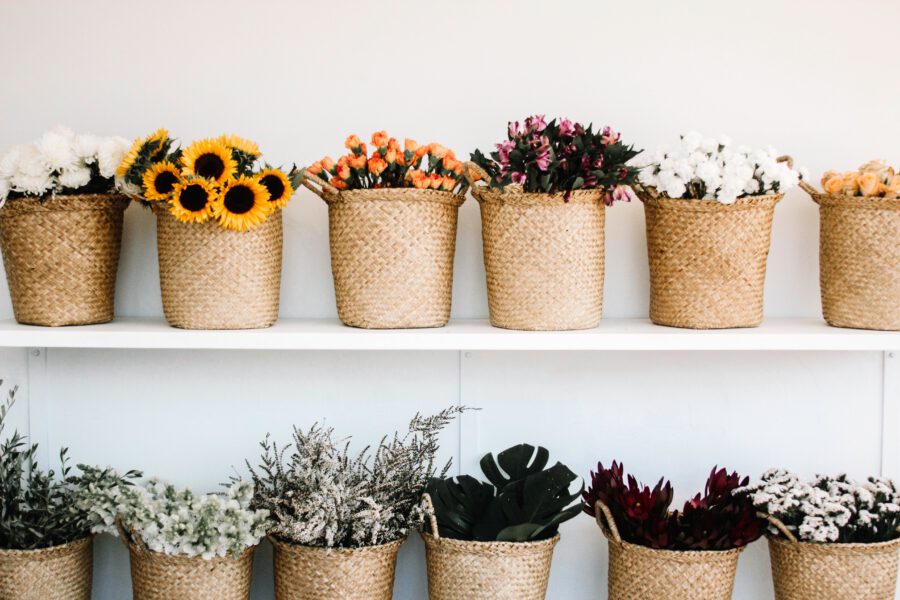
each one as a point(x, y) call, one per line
point(110, 153)
point(74, 177)
point(706, 168)
point(57, 148)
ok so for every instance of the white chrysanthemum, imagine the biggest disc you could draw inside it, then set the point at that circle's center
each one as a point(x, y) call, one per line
point(4, 190)
point(57, 147)
point(691, 141)
point(75, 177)
point(32, 185)
point(9, 163)
point(30, 162)
point(86, 146)
point(110, 153)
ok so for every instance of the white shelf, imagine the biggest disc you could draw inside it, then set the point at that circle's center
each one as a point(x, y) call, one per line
point(296, 334)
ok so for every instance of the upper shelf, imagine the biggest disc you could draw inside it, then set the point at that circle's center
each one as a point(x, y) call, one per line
point(296, 334)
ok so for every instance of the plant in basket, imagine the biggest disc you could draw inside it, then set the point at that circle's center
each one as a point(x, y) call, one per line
point(496, 539)
point(830, 537)
point(218, 208)
point(709, 207)
point(187, 545)
point(657, 552)
point(61, 227)
point(47, 519)
point(548, 181)
point(339, 518)
point(859, 246)
point(392, 217)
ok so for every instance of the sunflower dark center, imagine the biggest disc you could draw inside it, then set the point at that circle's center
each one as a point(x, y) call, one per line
point(210, 166)
point(274, 185)
point(165, 182)
point(194, 197)
point(239, 199)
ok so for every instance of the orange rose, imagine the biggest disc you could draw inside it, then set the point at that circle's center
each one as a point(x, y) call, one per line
point(377, 165)
point(393, 144)
point(328, 164)
point(851, 183)
point(448, 183)
point(421, 151)
point(380, 139)
point(436, 181)
point(390, 156)
point(419, 179)
point(437, 150)
point(338, 183)
point(870, 184)
point(401, 160)
point(358, 161)
point(828, 176)
point(352, 142)
point(343, 160)
point(315, 168)
point(833, 184)
point(892, 190)
point(410, 145)
point(450, 163)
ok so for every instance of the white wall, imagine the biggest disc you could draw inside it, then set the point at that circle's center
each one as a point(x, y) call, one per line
point(811, 78)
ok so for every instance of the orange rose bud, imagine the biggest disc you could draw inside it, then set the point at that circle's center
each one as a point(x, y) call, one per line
point(343, 160)
point(315, 168)
point(344, 172)
point(352, 142)
point(390, 156)
point(338, 183)
point(328, 164)
point(377, 165)
point(393, 144)
point(437, 150)
point(358, 161)
point(828, 176)
point(401, 160)
point(419, 179)
point(380, 139)
point(459, 168)
point(410, 145)
point(851, 183)
point(450, 163)
point(833, 185)
point(871, 185)
point(436, 181)
point(448, 183)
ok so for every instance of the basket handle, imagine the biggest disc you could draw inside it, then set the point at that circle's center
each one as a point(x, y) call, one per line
point(429, 511)
point(609, 529)
point(813, 193)
point(129, 537)
point(319, 186)
point(475, 173)
point(777, 524)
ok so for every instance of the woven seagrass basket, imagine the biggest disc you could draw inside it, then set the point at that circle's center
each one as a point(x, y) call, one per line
point(391, 254)
point(464, 570)
point(543, 256)
point(308, 573)
point(808, 571)
point(214, 278)
point(61, 256)
point(157, 576)
point(859, 260)
point(58, 573)
point(640, 573)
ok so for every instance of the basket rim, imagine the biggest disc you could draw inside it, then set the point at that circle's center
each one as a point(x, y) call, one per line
point(65, 203)
point(870, 203)
point(479, 545)
point(654, 198)
point(398, 195)
point(37, 552)
point(679, 555)
point(275, 541)
point(834, 547)
point(513, 196)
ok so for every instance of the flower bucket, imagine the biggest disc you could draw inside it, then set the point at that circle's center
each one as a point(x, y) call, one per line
point(463, 570)
point(391, 254)
point(639, 573)
point(543, 256)
point(61, 256)
point(309, 573)
point(707, 260)
point(859, 254)
point(215, 278)
point(804, 570)
point(59, 573)
point(157, 576)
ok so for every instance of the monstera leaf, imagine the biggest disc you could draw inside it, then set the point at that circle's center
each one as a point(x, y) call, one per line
point(516, 462)
point(459, 503)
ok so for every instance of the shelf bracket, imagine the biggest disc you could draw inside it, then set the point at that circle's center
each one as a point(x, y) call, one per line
point(39, 410)
point(890, 416)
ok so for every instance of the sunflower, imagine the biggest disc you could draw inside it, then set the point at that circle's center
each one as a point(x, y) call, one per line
point(160, 180)
point(209, 159)
point(193, 200)
point(160, 136)
point(241, 144)
point(278, 185)
point(243, 204)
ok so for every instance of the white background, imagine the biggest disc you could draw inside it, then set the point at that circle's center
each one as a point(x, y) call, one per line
point(814, 79)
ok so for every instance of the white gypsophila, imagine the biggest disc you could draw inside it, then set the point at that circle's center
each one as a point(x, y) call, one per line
point(178, 522)
point(110, 153)
point(76, 176)
point(706, 168)
point(57, 148)
point(829, 509)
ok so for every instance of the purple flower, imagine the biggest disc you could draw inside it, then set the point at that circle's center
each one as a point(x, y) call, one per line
point(566, 127)
point(598, 162)
point(518, 177)
point(609, 136)
point(585, 162)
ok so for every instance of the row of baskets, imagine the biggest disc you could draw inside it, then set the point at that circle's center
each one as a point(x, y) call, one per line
point(392, 256)
point(460, 570)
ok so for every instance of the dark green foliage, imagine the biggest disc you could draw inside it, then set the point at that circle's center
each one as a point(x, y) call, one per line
point(523, 502)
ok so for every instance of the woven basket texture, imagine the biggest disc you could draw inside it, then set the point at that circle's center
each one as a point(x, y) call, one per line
point(807, 571)
point(543, 258)
point(214, 278)
point(464, 570)
point(859, 261)
point(708, 260)
point(392, 256)
point(307, 573)
point(59, 573)
point(61, 256)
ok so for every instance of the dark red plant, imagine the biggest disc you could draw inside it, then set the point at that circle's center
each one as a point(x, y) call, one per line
point(715, 520)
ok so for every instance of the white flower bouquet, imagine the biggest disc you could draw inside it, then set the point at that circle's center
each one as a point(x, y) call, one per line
point(706, 168)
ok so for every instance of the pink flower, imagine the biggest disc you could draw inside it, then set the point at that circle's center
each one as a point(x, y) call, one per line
point(518, 177)
point(535, 123)
point(566, 127)
point(620, 193)
point(504, 149)
point(609, 136)
point(514, 130)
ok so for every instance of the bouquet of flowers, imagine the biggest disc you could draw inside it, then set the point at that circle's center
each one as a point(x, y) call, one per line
point(61, 162)
point(828, 509)
point(177, 522)
point(718, 519)
point(325, 497)
point(875, 179)
point(560, 156)
point(706, 168)
point(219, 179)
point(429, 166)
point(42, 509)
